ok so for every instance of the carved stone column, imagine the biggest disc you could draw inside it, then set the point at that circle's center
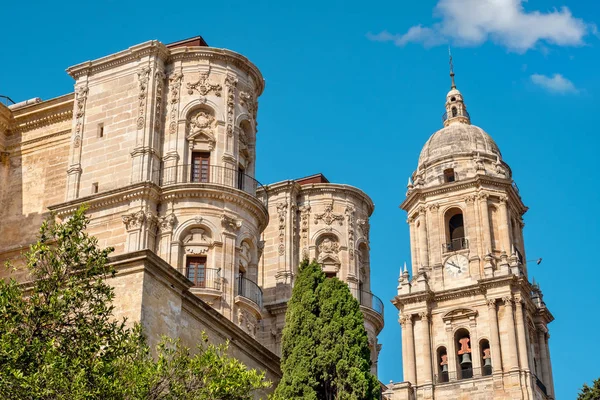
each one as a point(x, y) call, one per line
point(509, 320)
point(544, 355)
point(503, 225)
point(435, 235)
point(166, 225)
point(425, 376)
point(413, 246)
point(230, 228)
point(473, 225)
point(423, 245)
point(408, 349)
point(485, 216)
point(521, 335)
point(74, 171)
point(496, 352)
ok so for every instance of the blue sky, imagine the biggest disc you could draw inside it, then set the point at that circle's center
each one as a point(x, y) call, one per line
point(354, 89)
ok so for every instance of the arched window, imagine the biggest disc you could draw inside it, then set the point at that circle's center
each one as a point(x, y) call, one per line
point(454, 112)
point(486, 357)
point(455, 231)
point(462, 341)
point(442, 365)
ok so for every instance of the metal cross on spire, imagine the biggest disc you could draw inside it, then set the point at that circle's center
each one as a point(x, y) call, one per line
point(451, 69)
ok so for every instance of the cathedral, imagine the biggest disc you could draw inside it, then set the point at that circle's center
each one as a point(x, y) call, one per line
point(159, 142)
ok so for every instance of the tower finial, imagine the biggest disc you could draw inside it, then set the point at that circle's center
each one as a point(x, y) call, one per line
point(451, 68)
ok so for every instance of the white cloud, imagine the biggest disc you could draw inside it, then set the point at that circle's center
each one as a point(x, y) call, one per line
point(555, 83)
point(505, 22)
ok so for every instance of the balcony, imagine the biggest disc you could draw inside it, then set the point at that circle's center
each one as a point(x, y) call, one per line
point(455, 245)
point(249, 290)
point(372, 309)
point(207, 175)
point(369, 300)
point(207, 282)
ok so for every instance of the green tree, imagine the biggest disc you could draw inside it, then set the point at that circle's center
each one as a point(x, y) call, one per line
point(301, 337)
point(590, 393)
point(343, 351)
point(325, 353)
point(59, 338)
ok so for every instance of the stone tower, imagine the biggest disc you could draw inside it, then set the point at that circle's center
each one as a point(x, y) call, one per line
point(473, 326)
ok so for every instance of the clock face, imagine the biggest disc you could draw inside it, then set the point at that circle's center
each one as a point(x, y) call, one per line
point(456, 265)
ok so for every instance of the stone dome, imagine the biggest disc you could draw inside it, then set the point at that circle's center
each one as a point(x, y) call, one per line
point(458, 139)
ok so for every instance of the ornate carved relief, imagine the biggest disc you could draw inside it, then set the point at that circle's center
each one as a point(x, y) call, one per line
point(201, 127)
point(80, 101)
point(304, 227)
point(159, 76)
point(248, 101)
point(281, 213)
point(230, 224)
point(328, 217)
point(247, 322)
point(328, 249)
point(230, 83)
point(364, 226)
point(134, 220)
point(204, 86)
point(167, 223)
point(197, 241)
point(350, 216)
point(143, 78)
point(175, 82)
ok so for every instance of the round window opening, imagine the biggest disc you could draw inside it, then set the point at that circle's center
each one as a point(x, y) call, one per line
point(453, 99)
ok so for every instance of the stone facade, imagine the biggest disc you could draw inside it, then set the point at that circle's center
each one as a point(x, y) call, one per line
point(473, 326)
point(159, 142)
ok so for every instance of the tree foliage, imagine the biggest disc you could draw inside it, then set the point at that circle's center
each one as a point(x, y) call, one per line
point(590, 393)
point(59, 338)
point(325, 353)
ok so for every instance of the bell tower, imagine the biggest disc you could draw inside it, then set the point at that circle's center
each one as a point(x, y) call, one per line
point(467, 310)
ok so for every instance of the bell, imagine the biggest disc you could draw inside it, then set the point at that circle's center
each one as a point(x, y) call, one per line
point(466, 359)
point(487, 362)
point(445, 368)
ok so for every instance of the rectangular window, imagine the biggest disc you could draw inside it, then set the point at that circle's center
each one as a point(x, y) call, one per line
point(196, 270)
point(200, 167)
point(240, 177)
point(449, 175)
point(94, 187)
point(100, 130)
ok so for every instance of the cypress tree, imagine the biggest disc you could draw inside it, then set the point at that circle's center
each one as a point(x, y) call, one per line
point(343, 355)
point(300, 336)
point(325, 351)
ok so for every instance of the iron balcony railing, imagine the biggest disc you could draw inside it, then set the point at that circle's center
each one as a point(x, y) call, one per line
point(7, 101)
point(212, 174)
point(205, 278)
point(250, 290)
point(455, 245)
point(369, 300)
point(466, 373)
point(465, 113)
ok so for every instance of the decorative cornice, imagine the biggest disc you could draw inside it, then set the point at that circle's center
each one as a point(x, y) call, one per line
point(417, 195)
point(43, 117)
point(20, 145)
point(120, 195)
point(133, 53)
point(233, 58)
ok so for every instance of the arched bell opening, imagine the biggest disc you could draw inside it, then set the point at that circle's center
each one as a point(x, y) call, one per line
point(455, 231)
point(462, 341)
point(486, 357)
point(442, 365)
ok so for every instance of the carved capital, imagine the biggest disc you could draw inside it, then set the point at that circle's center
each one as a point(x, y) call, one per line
point(167, 223)
point(433, 207)
point(421, 210)
point(508, 300)
point(230, 224)
point(424, 316)
point(483, 196)
point(470, 199)
point(503, 199)
point(405, 320)
point(491, 303)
